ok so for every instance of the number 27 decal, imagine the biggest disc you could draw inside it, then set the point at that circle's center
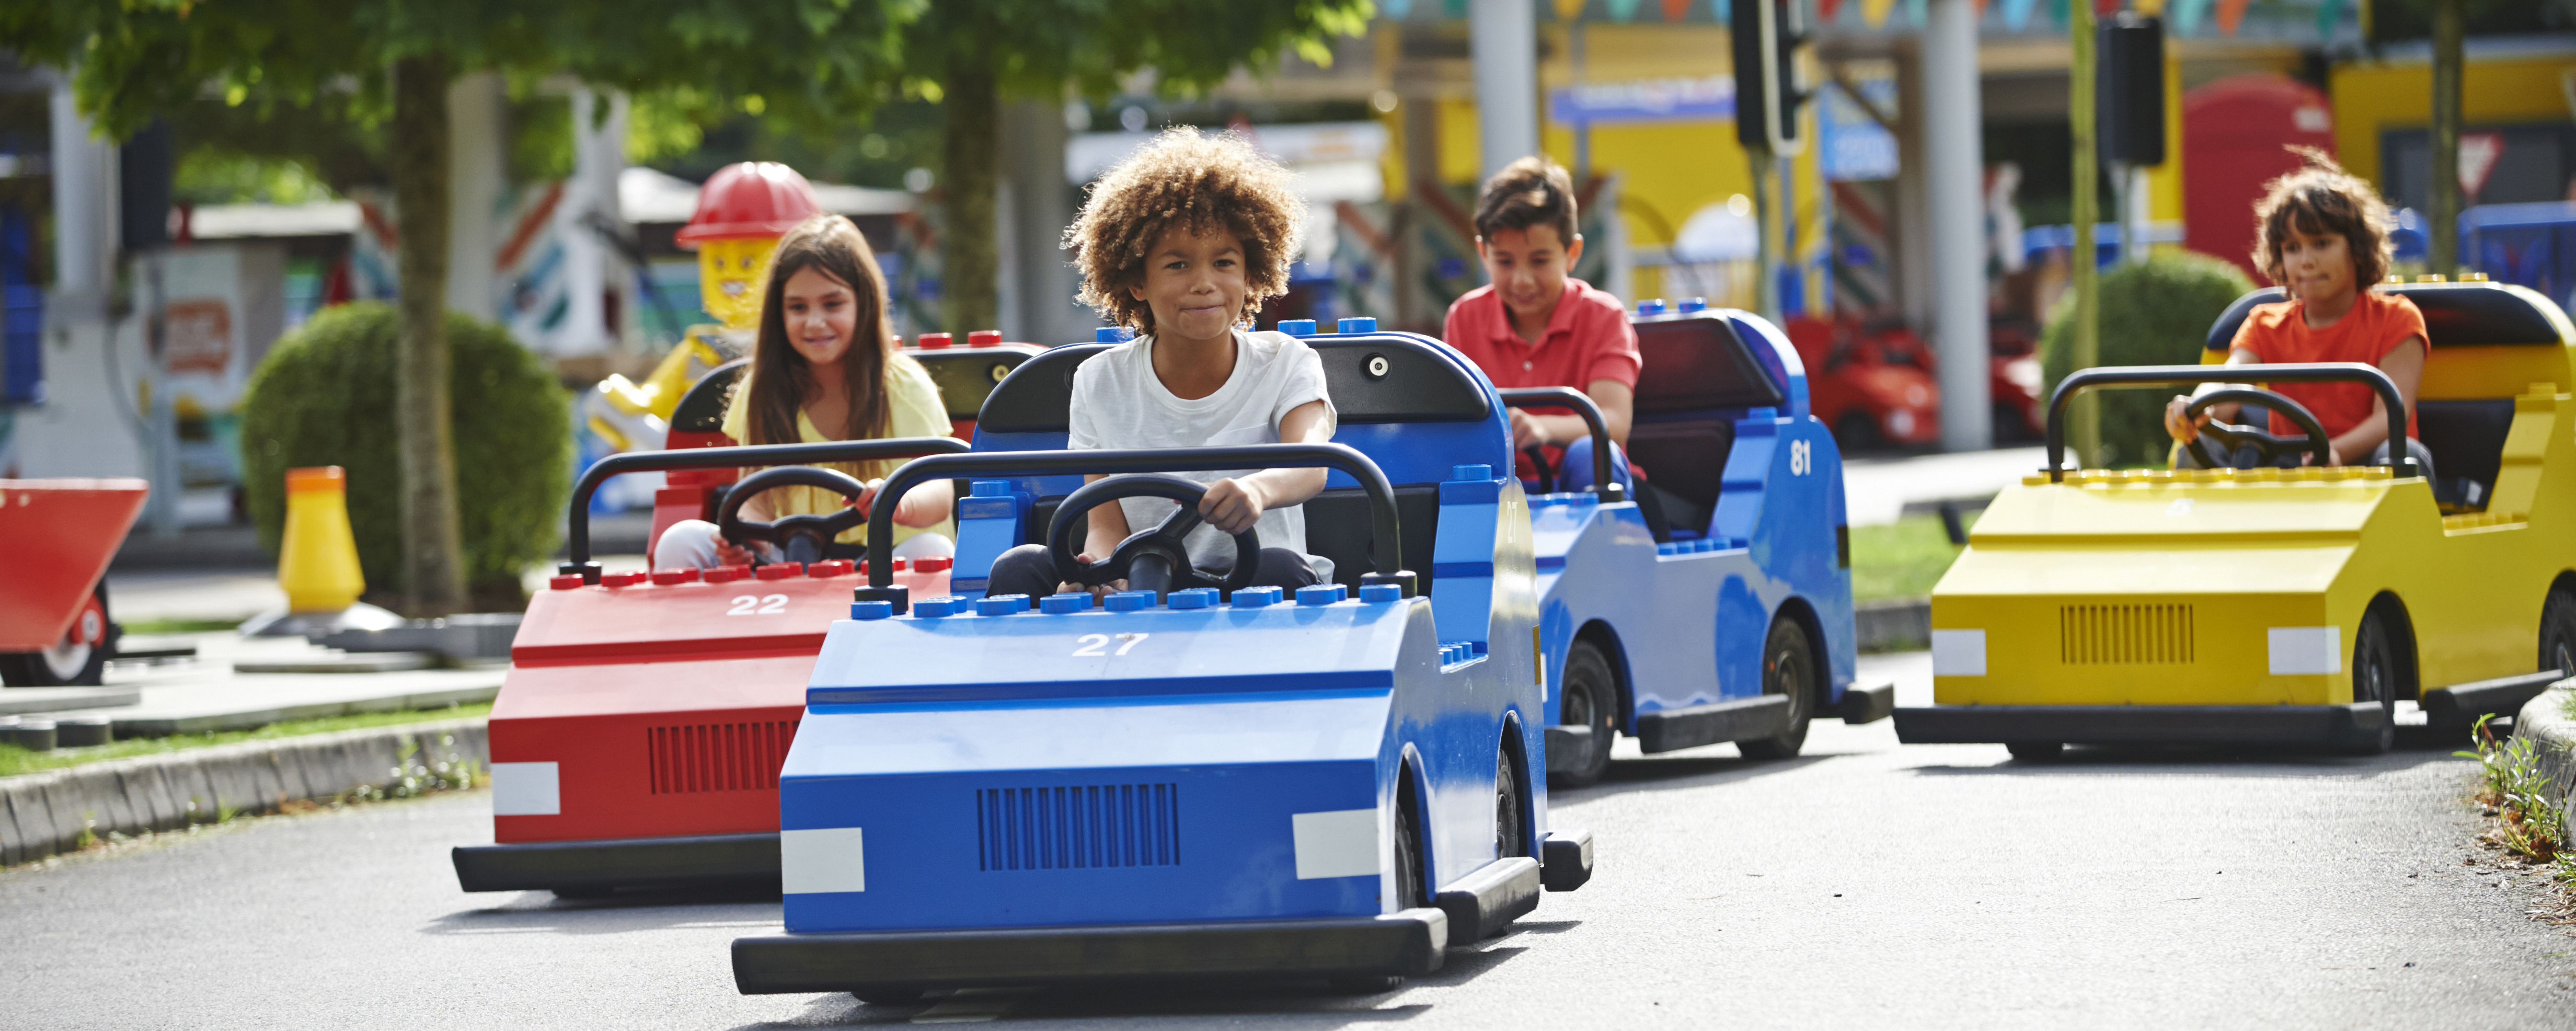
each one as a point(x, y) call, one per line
point(1091, 644)
point(757, 605)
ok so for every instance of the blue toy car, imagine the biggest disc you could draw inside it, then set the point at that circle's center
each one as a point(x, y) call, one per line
point(1335, 785)
point(1731, 621)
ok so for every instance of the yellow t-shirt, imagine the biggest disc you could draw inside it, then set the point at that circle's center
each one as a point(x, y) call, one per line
point(914, 411)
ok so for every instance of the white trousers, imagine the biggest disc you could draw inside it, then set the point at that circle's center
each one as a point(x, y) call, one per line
point(691, 543)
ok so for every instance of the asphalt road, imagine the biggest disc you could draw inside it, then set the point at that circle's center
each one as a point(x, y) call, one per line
point(1862, 885)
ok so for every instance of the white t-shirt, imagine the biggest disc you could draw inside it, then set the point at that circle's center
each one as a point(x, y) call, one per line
point(1119, 404)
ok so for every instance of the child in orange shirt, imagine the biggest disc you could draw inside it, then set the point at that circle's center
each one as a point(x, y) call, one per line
point(2322, 236)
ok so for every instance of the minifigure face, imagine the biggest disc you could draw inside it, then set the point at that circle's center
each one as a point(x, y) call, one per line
point(729, 275)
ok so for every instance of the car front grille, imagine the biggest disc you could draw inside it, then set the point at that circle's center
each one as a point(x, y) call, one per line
point(707, 757)
point(2124, 635)
point(1066, 828)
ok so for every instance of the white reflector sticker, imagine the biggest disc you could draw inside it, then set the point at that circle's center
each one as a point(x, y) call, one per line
point(1342, 843)
point(2305, 649)
point(1958, 653)
point(817, 861)
point(526, 789)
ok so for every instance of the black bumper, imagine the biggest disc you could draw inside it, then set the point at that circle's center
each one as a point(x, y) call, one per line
point(1404, 944)
point(618, 863)
point(2456, 708)
point(2139, 724)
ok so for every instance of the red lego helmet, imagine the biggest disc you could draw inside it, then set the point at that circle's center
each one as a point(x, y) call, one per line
point(751, 198)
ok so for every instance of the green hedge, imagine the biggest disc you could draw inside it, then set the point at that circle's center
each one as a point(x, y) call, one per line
point(325, 396)
point(2157, 312)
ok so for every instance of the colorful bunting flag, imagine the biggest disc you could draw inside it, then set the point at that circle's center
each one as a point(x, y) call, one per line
point(1624, 10)
point(1568, 10)
point(2187, 15)
point(2017, 14)
point(1873, 13)
point(1396, 9)
point(1918, 12)
point(2231, 13)
point(1826, 9)
point(1676, 10)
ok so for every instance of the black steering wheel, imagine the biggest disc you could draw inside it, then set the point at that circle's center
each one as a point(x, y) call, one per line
point(801, 537)
point(1149, 560)
point(2266, 449)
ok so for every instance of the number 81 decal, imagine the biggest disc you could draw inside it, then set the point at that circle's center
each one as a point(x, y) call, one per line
point(1802, 458)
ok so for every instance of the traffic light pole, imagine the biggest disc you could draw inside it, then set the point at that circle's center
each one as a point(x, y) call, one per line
point(1766, 216)
point(2083, 261)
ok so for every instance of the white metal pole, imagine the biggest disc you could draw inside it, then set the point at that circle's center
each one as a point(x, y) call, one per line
point(1956, 175)
point(1502, 36)
point(478, 149)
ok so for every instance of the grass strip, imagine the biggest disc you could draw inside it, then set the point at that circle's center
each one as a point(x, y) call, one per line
point(15, 760)
point(177, 626)
point(1902, 559)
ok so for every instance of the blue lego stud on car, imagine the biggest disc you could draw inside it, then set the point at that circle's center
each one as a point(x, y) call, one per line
point(1297, 327)
point(1112, 335)
point(1359, 325)
point(1651, 306)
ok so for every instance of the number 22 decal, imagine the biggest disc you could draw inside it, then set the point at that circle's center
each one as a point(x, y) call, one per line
point(1091, 644)
point(765, 606)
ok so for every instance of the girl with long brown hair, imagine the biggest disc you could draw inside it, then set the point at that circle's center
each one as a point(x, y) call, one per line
point(824, 367)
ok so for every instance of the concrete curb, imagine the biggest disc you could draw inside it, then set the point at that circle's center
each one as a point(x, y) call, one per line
point(1894, 624)
point(2544, 720)
point(43, 814)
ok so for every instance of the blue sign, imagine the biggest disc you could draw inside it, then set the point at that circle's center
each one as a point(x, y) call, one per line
point(1855, 147)
point(1647, 100)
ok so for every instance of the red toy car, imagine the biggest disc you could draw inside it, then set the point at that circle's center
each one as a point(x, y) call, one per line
point(1871, 383)
point(54, 627)
point(637, 738)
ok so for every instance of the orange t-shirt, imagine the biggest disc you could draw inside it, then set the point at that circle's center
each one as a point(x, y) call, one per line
point(2279, 334)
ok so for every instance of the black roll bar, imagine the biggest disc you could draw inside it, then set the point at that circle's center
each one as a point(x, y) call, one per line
point(2399, 460)
point(577, 520)
point(1583, 405)
point(1385, 547)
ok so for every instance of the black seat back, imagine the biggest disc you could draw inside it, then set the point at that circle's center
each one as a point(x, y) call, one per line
point(1698, 378)
point(702, 408)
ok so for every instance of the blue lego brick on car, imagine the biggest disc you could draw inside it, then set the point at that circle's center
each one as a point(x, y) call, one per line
point(1002, 605)
point(1194, 598)
point(871, 610)
point(1357, 324)
point(1298, 327)
point(1064, 604)
point(1256, 597)
point(1129, 601)
point(941, 607)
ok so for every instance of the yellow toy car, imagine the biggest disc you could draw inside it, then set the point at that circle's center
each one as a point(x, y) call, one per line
point(2280, 606)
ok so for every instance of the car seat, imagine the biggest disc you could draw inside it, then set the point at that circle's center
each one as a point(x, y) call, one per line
point(1697, 379)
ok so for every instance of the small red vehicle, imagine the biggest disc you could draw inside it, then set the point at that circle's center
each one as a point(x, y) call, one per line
point(637, 738)
point(1876, 383)
point(54, 626)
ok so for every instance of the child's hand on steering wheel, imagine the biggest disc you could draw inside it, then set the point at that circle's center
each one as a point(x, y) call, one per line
point(2181, 428)
point(1232, 506)
point(1097, 593)
point(731, 554)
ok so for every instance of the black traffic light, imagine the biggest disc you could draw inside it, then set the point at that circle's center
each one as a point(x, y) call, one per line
point(2129, 90)
point(1768, 35)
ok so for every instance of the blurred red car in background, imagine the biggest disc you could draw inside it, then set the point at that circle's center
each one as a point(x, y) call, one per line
point(1873, 382)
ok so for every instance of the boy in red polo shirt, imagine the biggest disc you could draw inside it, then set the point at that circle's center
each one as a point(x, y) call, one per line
point(1535, 326)
point(2322, 237)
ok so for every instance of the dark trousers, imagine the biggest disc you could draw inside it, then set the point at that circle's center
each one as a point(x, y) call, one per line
point(1030, 569)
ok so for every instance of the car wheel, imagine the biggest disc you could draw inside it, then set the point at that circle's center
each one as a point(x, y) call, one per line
point(1410, 892)
point(1508, 837)
point(1788, 668)
point(69, 662)
point(1366, 984)
point(878, 996)
point(2558, 633)
point(584, 894)
point(1589, 698)
point(2035, 751)
point(2374, 679)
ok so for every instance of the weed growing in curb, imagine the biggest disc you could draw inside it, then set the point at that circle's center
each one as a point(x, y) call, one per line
point(2514, 791)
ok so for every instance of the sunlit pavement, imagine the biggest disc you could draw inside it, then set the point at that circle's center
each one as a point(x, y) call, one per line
point(1861, 885)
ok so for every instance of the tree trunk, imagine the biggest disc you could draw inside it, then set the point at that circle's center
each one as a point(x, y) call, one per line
point(973, 144)
point(433, 549)
point(2442, 246)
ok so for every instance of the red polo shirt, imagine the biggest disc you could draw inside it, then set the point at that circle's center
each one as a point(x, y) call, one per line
point(1587, 339)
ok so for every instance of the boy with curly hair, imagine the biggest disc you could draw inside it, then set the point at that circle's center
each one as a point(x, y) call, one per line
point(2322, 234)
point(1182, 242)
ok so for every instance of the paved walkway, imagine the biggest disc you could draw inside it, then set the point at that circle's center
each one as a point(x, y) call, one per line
point(1876, 490)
